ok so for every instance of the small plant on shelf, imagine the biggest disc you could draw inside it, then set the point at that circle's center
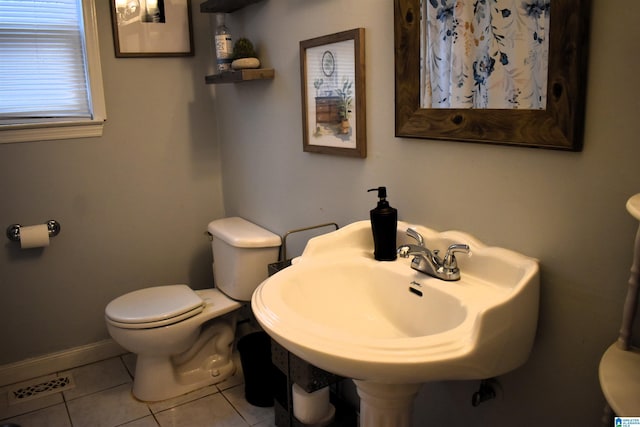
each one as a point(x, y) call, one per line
point(243, 49)
point(244, 55)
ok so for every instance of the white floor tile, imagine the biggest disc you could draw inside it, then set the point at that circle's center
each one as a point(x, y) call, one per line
point(252, 414)
point(142, 422)
point(97, 377)
point(107, 408)
point(163, 405)
point(102, 398)
point(53, 416)
point(210, 411)
point(266, 423)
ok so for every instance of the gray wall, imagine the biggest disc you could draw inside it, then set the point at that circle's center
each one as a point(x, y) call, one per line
point(566, 209)
point(133, 204)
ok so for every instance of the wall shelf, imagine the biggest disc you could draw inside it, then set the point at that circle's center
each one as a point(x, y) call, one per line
point(239, 76)
point(224, 6)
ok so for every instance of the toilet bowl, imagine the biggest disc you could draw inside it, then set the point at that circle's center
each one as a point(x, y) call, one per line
point(183, 338)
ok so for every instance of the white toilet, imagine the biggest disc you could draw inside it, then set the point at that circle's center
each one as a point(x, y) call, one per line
point(183, 338)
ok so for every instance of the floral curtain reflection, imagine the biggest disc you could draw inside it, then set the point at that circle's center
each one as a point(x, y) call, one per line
point(484, 53)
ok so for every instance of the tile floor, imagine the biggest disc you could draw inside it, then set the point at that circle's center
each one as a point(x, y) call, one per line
point(102, 398)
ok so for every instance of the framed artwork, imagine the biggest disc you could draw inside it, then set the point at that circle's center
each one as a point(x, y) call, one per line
point(147, 28)
point(333, 94)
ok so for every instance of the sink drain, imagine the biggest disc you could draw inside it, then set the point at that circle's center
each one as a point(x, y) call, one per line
point(28, 391)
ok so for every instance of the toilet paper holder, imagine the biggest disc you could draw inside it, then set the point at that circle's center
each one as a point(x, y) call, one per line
point(13, 231)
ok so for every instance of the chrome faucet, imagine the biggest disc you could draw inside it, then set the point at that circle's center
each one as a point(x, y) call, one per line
point(428, 262)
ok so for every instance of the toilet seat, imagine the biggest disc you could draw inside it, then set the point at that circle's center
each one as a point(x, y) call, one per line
point(154, 307)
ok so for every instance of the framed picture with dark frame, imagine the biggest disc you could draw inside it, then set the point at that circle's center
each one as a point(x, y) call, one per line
point(332, 71)
point(150, 28)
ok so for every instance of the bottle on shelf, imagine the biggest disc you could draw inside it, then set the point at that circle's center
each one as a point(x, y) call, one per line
point(223, 45)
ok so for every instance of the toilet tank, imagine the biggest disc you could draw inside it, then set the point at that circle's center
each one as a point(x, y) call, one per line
point(242, 251)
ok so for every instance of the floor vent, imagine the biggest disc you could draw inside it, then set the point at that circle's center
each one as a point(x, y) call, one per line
point(29, 391)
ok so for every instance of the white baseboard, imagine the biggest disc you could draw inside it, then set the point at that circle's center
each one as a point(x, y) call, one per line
point(59, 361)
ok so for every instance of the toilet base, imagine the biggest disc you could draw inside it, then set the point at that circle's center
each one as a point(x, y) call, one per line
point(155, 386)
point(208, 362)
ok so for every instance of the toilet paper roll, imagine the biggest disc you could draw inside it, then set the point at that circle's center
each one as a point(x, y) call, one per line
point(310, 408)
point(328, 418)
point(34, 236)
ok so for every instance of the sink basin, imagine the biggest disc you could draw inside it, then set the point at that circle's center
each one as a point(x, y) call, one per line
point(385, 323)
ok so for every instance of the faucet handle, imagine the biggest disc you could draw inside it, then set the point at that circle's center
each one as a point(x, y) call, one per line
point(412, 232)
point(450, 258)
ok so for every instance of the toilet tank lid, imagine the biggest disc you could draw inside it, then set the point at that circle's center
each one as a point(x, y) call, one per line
point(240, 233)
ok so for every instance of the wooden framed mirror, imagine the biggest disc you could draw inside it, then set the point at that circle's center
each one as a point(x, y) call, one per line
point(558, 126)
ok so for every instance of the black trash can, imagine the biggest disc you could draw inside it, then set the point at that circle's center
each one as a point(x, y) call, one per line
point(255, 356)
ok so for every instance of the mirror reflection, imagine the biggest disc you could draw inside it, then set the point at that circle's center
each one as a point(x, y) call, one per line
point(484, 54)
point(474, 45)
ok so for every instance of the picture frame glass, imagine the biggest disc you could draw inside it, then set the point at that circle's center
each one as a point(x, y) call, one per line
point(328, 63)
point(332, 99)
point(333, 94)
point(152, 28)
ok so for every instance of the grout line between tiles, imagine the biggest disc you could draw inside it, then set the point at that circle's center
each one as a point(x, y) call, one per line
point(181, 404)
point(66, 407)
point(155, 418)
point(98, 391)
point(214, 389)
point(234, 406)
point(30, 411)
point(137, 419)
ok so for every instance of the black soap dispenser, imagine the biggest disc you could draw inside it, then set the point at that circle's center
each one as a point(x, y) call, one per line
point(384, 223)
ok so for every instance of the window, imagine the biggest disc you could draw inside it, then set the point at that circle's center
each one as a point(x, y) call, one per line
point(50, 76)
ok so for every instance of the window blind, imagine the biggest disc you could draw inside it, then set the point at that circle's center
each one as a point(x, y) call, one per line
point(43, 71)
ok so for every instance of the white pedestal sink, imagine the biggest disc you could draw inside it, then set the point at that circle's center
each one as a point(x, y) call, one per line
point(391, 328)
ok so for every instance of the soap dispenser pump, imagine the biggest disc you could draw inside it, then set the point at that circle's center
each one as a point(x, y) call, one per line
point(384, 223)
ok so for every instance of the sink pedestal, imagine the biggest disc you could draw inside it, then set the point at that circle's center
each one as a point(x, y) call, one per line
point(385, 405)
